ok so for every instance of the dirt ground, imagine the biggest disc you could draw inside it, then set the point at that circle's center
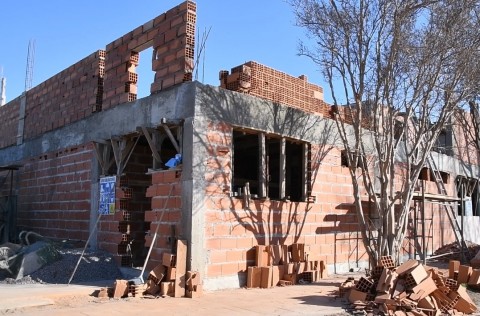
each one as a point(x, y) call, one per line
point(320, 298)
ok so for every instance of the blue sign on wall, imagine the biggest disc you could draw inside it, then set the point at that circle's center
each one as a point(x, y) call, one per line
point(107, 195)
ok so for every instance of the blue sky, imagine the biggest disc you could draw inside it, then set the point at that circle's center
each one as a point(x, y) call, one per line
point(67, 31)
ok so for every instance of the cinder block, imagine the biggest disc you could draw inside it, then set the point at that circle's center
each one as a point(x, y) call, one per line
point(427, 303)
point(475, 277)
point(355, 296)
point(262, 256)
point(171, 274)
point(323, 269)
point(387, 281)
point(415, 276)
point(276, 254)
point(267, 276)
point(464, 303)
point(157, 273)
point(168, 259)
point(298, 252)
point(277, 274)
point(406, 266)
point(167, 288)
point(464, 273)
point(453, 267)
point(121, 287)
point(254, 277)
point(364, 285)
point(196, 292)
point(387, 262)
point(425, 288)
point(290, 268)
point(153, 288)
point(193, 279)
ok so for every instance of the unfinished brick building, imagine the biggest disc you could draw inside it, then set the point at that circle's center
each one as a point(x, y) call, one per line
point(260, 164)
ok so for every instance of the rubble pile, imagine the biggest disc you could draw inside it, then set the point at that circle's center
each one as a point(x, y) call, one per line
point(412, 289)
point(453, 251)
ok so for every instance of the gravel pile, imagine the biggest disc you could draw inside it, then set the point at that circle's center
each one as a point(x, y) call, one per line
point(94, 266)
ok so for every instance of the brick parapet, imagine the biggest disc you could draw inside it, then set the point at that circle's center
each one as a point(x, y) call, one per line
point(172, 36)
point(108, 77)
point(9, 115)
point(265, 82)
point(69, 96)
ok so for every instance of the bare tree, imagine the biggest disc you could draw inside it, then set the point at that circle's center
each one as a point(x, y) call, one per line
point(397, 70)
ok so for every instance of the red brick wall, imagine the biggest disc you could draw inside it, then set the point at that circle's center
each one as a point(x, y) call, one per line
point(328, 225)
point(172, 36)
point(103, 80)
point(9, 127)
point(69, 96)
point(54, 193)
point(268, 83)
point(166, 192)
point(128, 226)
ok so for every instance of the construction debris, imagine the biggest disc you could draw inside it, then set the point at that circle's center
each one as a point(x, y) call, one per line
point(412, 289)
point(19, 261)
point(166, 279)
point(453, 251)
point(283, 265)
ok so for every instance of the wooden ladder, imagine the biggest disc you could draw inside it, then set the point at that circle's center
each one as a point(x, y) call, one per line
point(449, 208)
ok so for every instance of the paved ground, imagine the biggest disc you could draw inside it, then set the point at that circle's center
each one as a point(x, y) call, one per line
point(312, 299)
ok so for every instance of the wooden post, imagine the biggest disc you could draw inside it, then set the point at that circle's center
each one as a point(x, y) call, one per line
point(181, 269)
point(262, 172)
point(282, 169)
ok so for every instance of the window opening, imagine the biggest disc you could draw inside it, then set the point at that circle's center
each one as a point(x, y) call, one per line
point(245, 162)
point(273, 163)
point(294, 170)
point(145, 73)
point(246, 166)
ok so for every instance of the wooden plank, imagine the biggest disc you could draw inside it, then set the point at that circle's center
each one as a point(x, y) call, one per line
point(172, 138)
point(151, 143)
point(304, 174)
point(180, 277)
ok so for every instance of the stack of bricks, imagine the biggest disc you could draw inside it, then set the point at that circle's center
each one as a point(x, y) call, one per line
point(267, 83)
point(131, 225)
point(412, 289)
point(172, 36)
point(165, 193)
point(282, 265)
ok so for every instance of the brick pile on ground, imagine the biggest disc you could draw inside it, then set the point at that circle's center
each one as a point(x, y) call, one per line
point(282, 265)
point(169, 278)
point(412, 289)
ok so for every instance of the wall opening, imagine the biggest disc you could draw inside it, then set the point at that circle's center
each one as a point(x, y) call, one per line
point(289, 182)
point(146, 75)
point(273, 163)
point(245, 162)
